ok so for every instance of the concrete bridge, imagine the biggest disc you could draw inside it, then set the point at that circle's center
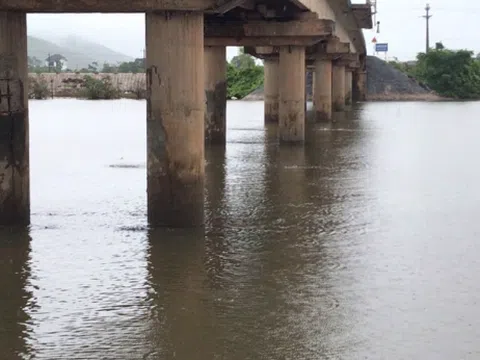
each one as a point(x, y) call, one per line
point(185, 42)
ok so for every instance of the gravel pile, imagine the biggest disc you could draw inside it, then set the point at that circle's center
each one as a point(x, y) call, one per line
point(384, 82)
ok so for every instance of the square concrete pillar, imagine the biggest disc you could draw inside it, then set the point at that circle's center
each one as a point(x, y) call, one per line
point(313, 87)
point(271, 95)
point(359, 89)
point(216, 94)
point(323, 89)
point(292, 94)
point(338, 87)
point(348, 87)
point(175, 118)
point(14, 135)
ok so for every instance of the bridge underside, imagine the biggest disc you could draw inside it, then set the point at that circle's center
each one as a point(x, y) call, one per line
point(265, 8)
point(186, 84)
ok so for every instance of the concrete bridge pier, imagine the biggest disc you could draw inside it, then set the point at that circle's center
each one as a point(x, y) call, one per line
point(338, 87)
point(271, 90)
point(323, 89)
point(313, 87)
point(216, 95)
point(175, 118)
point(292, 94)
point(14, 135)
point(359, 85)
point(348, 86)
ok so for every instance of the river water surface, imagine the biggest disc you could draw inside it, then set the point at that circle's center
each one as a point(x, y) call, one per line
point(363, 244)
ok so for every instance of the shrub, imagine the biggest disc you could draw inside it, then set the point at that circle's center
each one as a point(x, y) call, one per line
point(139, 90)
point(100, 89)
point(38, 88)
point(242, 81)
point(450, 73)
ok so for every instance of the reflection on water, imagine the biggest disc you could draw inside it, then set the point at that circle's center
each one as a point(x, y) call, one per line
point(362, 244)
point(16, 300)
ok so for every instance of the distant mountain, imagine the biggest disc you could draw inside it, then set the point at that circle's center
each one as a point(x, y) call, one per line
point(99, 52)
point(79, 53)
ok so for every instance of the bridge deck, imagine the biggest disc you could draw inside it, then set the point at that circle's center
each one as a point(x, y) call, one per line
point(348, 18)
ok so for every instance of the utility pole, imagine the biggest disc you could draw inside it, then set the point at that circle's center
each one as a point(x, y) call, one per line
point(427, 17)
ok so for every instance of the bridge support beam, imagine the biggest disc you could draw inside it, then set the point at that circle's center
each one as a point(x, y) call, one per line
point(271, 91)
point(292, 94)
point(338, 87)
point(14, 136)
point(348, 87)
point(323, 89)
point(216, 94)
point(175, 118)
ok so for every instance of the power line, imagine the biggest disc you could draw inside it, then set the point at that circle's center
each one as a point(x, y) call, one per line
point(427, 17)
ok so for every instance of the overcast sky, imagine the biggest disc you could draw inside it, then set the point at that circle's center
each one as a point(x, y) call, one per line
point(455, 23)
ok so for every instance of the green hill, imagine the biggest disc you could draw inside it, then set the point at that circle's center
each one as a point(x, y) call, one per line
point(99, 52)
point(79, 53)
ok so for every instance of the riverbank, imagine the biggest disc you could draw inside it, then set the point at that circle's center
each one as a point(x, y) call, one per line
point(73, 84)
point(384, 83)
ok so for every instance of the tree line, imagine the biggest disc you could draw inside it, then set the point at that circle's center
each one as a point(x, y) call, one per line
point(136, 66)
point(450, 73)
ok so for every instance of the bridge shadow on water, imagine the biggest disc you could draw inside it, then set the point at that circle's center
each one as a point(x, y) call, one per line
point(262, 279)
point(16, 300)
point(265, 277)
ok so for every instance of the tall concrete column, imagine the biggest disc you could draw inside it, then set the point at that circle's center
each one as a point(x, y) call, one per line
point(323, 89)
point(359, 85)
point(348, 87)
point(14, 135)
point(313, 87)
point(338, 87)
point(175, 118)
point(271, 91)
point(305, 89)
point(216, 93)
point(292, 94)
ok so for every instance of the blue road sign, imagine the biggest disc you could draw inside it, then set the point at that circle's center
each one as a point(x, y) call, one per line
point(383, 47)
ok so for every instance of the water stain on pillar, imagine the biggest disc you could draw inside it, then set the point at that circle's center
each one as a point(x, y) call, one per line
point(322, 116)
point(14, 204)
point(348, 98)
point(175, 172)
point(271, 111)
point(215, 114)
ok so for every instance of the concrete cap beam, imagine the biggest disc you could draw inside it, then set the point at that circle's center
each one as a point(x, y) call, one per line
point(105, 6)
point(330, 49)
point(240, 29)
point(350, 60)
point(267, 33)
point(262, 41)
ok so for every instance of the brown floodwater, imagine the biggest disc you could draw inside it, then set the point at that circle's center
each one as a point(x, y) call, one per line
point(362, 244)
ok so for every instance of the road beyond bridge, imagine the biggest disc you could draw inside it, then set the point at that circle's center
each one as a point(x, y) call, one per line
point(186, 84)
